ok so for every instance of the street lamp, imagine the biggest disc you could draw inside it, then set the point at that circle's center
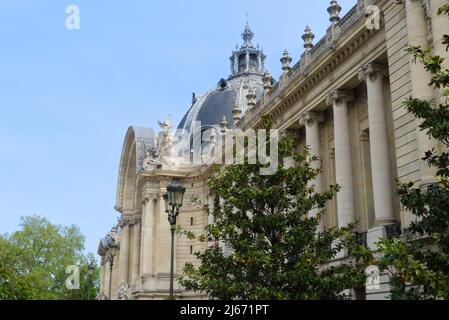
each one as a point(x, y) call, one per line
point(90, 273)
point(112, 251)
point(173, 201)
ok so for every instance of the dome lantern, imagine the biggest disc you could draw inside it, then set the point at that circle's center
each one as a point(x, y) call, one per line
point(247, 58)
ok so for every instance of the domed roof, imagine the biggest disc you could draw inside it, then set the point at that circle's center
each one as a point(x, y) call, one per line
point(247, 69)
point(210, 108)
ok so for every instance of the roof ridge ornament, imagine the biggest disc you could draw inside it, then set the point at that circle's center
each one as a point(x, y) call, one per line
point(224, 125)
point(286, 60)
point(334, 11)
point(251, 98)
point(308, 37)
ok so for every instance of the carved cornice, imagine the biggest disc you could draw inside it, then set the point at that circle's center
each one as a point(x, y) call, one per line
point(372, 71)
point(281, 98)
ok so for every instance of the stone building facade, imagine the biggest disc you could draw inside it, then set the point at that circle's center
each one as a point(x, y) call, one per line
point(344, 98)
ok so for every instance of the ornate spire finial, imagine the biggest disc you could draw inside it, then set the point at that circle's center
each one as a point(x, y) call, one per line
point(267, 82)
point(251, 98)
point(224, 124)
point(286, 60)
point(308, 37)
point(247, 36)
point(237, 112)
point(334, 11)
point(213, 136)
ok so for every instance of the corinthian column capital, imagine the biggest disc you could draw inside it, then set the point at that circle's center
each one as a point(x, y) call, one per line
point(135, 221)
point(372, 71)
point(147, 196)
point(310, 118)
point(339, 96)
point(124, 222)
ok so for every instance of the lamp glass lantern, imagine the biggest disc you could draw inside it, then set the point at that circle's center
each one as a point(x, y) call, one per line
point(113, 247)
point(175, 193)
point(90, 268)
point(167, 204)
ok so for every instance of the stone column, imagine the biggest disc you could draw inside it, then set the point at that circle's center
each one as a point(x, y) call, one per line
point(102, 275)
point(333, 217)
point(163, 242)
point(440, 27)
point(339, 99)
point(417, 36)
point(417, 33)
point(124, 253)
point(147, 244)
point(135, 264)
point(210, 216)
point(311, 121)
point(106, 283)
point(373, 75)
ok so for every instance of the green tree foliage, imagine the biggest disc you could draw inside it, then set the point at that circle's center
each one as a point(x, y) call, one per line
point(33, 261)
point(420, 268)
point(276, 251)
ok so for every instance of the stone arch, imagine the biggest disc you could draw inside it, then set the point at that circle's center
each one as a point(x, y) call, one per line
point(138, 142)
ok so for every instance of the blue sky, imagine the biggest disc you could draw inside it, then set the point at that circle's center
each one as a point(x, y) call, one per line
point(67, 97)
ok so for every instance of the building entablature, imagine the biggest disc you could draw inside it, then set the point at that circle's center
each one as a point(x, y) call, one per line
point(328, 55)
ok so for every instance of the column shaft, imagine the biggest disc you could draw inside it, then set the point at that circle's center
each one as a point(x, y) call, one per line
point(420, 79)
point(102, 276)
point(136, 252)
point(147, 244)
point(440, 27)
point(311, 122)
point(124, 254)
point(163, 240)
point(343, 159)
point(417, 36)
point(107, 283)
point(380, 155)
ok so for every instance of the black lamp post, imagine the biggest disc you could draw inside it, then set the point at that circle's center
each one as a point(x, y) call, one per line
point(90, 273)
point(173, 201)
point(112, 251)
